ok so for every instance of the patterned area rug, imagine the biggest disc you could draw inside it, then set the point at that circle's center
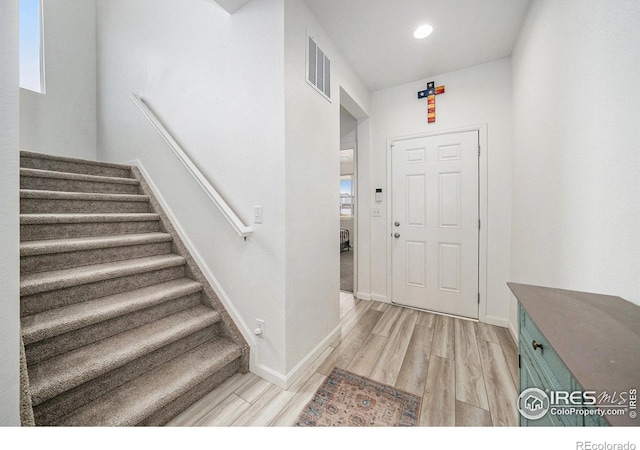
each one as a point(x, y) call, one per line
point(349, 400)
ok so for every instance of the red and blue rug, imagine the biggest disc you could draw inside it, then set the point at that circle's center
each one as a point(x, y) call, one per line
point(349, 400)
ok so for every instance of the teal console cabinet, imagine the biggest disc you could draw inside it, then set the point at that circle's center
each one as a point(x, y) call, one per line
point(571, 343)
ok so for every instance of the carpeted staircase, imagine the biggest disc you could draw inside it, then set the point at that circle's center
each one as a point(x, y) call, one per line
point(120, 327)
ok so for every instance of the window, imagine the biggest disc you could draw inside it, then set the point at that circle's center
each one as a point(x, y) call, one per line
point(31, 46)
point(346, 196)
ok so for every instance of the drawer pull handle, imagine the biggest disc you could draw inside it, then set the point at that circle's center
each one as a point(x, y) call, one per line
point(536, 346)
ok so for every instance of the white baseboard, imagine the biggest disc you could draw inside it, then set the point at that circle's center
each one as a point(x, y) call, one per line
point(285, 381)
point(495, 321)
point(502, 323)
point(380, 298)
point(263, 371)
point(199, 260)
point(374, 297)
point(298, 370)
point(514, 332)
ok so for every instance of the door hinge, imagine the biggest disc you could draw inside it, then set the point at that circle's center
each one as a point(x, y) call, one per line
point(478, 298)
point(479, 149)
point(479, 224)
point(519, 365)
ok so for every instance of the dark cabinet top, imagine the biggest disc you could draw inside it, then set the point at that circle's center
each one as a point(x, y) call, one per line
point(596, 336)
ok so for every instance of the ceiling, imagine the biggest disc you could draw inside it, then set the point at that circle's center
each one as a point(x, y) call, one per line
point(376, 36)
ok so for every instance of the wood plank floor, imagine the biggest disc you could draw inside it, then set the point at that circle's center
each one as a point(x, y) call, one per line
point(464, 371)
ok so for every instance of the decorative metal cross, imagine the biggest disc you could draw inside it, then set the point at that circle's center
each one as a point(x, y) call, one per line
point(430, 95)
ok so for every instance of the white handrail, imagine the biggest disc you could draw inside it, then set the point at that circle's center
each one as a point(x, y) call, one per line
point(237, 224)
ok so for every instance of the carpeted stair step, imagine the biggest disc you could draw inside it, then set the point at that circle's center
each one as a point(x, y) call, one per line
point(32, 160)
point(58, 279)
point(70, 318)
point(34, 227)
point(53, 409)
point(49, 348)
point(40, 202)
point(51, 333)
point(48, 290)
point(143, 400)
point(53, 254)
point(71, 369)
point(47, 180)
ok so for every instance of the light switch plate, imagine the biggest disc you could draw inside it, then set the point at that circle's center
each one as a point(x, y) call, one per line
point(257, 214)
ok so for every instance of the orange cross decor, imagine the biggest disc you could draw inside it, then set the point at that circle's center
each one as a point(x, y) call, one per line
point(430, 95)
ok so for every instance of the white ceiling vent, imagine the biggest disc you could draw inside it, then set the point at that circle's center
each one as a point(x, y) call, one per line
point(318, 69)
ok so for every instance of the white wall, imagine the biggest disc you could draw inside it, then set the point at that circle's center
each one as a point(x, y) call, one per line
point(63, 121)
point(477, 95)
point(9, 213)
point(216, 81)
point(312, 186)
point(576, 164)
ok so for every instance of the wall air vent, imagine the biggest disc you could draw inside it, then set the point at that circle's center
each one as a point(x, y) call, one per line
point(318, 69)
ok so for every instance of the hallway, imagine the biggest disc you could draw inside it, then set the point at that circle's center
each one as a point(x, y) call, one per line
point(346, 271)
point(466, 372)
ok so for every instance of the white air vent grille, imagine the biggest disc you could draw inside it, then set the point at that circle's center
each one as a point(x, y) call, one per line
point(318, 69)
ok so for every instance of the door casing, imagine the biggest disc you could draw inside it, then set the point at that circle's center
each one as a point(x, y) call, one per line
point(347, 146)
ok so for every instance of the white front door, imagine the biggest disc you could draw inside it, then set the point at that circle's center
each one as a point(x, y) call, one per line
point(435, 223)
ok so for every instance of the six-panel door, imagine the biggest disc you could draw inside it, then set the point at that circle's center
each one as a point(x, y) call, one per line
point(435, 224)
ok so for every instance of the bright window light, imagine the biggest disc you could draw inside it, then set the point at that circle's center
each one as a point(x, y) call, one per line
point(423, 31)
point(31, 49)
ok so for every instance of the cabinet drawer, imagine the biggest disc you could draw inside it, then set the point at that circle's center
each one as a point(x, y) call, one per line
point(545, 357)
point(531, 377)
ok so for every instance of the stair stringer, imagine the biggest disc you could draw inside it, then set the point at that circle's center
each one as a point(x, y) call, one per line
point(228, 327)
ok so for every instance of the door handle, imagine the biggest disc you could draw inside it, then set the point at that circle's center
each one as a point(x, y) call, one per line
point(397, 235)
point(536, 346)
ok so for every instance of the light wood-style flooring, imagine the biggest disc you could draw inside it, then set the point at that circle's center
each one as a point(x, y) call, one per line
point(465, 372)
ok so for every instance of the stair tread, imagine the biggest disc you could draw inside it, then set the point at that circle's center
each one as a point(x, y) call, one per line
point(136, 400)
point(33, 283)
point(30, 248)
point(48, 218)
point(76, 367)
point(30, 154)
point(61, 195)
point(41, 173)
point(52, 323)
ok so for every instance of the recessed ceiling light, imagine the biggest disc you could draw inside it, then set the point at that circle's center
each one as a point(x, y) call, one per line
point(423, 31)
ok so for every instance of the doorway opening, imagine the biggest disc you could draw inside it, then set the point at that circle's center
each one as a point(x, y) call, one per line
point(348, 195)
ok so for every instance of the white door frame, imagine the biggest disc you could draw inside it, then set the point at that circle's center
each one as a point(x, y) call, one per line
point(354, 207)
point(482, 199)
